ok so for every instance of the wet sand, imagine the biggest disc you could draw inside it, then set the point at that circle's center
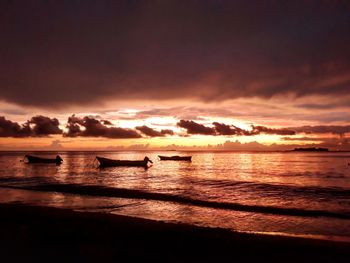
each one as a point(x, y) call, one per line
point(42, 234)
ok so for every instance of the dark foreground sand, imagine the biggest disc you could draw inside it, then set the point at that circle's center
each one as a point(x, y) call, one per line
point(44, 234)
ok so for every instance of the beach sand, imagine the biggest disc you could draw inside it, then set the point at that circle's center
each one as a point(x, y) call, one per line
point(43, 234)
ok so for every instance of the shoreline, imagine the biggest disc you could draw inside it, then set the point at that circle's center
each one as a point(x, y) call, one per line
point(44, 233)
point(104, 191)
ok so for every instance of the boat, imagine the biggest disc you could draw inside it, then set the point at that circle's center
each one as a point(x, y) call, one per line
point(36, 159)
point(105, 162)
point(175, 158)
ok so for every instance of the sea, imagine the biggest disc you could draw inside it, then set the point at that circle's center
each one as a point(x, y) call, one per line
point(304, 194)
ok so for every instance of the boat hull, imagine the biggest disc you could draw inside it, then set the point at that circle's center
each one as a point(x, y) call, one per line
point(35, 159)
point(105, 162)
point(175, 158)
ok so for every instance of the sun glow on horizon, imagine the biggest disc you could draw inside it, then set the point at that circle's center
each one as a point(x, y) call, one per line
point(163, 119)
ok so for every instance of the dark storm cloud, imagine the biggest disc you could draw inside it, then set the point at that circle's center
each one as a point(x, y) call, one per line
point(56, 53)
point(37, 126)
point(90, 127)
point(13, 129)
point(323, 129)
point(196, 128)
point(266, 130)
point(167, 132)
point(152, 132)
point(218, 129)
point(43, 126)
point(224, 129)
point(106, 122)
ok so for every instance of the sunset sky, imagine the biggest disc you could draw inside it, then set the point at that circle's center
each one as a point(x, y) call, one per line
point(234, 75)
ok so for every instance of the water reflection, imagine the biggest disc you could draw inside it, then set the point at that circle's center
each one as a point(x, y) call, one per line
point(296, 180)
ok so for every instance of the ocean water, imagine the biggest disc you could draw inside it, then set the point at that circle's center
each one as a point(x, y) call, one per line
point(281, 193)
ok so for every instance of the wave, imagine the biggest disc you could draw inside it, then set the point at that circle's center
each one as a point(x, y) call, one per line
point(315, 193)
point(102, 191)
point(278, 189)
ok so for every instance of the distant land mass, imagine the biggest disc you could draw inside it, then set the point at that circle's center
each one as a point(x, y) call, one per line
point(310, 149)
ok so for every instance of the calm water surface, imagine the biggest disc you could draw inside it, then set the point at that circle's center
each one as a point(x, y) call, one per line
point(274, 193)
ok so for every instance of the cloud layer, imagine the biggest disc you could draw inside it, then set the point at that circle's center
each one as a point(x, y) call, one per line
point(152, 132)
point(218, 129)
point(37, 126)
point(91, 127)
point(42, 126)
point(79, 53)
point(323, 129)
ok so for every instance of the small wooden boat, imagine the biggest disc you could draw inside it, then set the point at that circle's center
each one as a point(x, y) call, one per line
point(35, 159)
point(105, 162)
point(175, 158)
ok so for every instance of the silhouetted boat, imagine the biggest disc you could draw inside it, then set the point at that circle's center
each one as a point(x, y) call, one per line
point(35, 159)
point(175, 158)
point(105, 162)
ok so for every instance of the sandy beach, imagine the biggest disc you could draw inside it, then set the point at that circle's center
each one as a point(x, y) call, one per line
point(33, 233)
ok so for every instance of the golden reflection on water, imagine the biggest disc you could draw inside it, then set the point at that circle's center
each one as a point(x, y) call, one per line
point(266, 179)
point(284, 168)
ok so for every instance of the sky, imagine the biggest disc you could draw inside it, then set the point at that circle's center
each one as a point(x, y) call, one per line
point(219, 75)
